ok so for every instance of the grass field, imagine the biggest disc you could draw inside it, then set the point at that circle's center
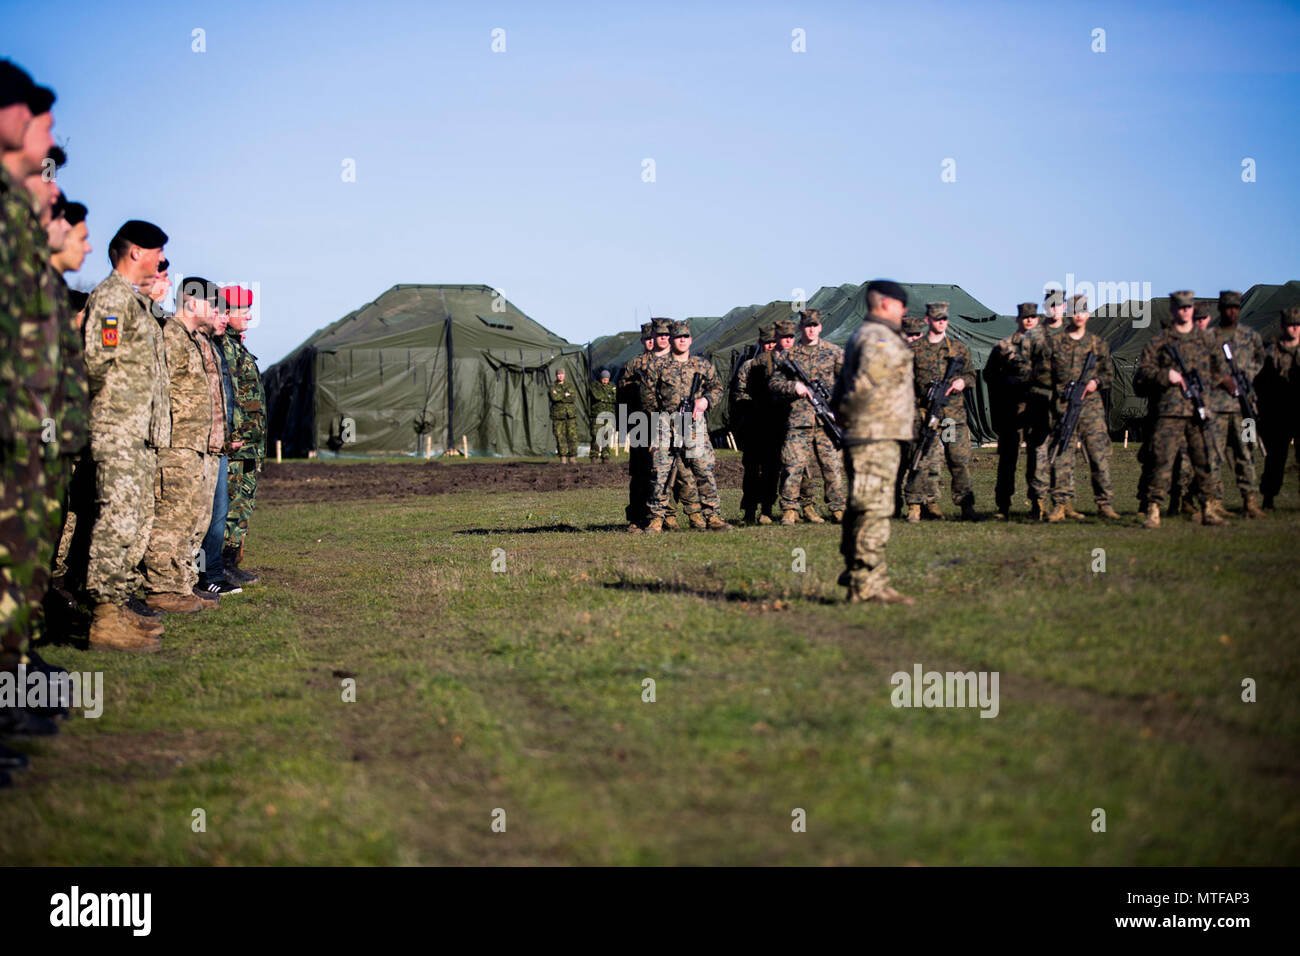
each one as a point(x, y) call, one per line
point(521, 690)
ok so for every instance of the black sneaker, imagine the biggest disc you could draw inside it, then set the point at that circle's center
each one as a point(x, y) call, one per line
point(219, 588)
point(140, 609)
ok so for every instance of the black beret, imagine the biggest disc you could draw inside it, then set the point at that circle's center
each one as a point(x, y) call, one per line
point(143, 234)
point(196, 288)
point(17, 87)
point(889, 288)
point(74, 212)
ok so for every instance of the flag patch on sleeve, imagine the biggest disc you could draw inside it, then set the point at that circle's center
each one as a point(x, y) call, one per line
point(110, 331)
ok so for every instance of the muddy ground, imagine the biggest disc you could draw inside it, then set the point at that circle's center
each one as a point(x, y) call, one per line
point(323, 481)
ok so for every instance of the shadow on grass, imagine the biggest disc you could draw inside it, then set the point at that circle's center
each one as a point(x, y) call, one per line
point(561, 528)
point(716, 591)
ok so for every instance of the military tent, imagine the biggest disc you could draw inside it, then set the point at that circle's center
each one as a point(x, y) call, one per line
point(424, 366)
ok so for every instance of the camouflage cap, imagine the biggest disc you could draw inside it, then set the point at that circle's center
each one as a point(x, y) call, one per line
point(766, 334)
point(913, 325)
point(680, 329)
point(663, 326)
point(1078, 303)
point(1291, 315)
point(784, 328)
point(810, 317)
point(1179, 300)
point(936, 310)
point(1026, 310)
point(1054, 297)
point(1229, 300)
point(647, 330)
point(1200, 312)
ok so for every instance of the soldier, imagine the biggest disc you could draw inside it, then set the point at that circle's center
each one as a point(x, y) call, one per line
point(247, 427)
point(1054, 302)
point(874, 402)
point(640, 479)
point(130, 420)
point(1038, 405)
point(1067, 352)
point(157, 290)
point(187, 467)
point(750, 405)
point(785, 338)
point(1248, 355)
point(1279, 400)
point(1177, 422)
point(914, 327)
point(665, 386)
point(564, 419)
point(215, 578)
point(1007, 375)
point(930, 355)
point(805, 439)
point(602, 403)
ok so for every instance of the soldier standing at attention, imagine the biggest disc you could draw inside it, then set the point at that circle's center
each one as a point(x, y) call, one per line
point(603, 400)
point(130, 419)
point(638, 457)
point(1007, 375)
point(780, 420)
point(564, 419)
point(1248, 354)
point(187, 475)
point(874, 402)
point(665, 387)
point(750, 401)
point(930, 355)
point(1066, 354)
point(1038, 407)
point(805, 439)
point(1177, 421)
point(1279, 401)
point(247, 427)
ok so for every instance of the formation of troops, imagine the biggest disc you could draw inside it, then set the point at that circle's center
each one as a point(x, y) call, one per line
point(130, 439)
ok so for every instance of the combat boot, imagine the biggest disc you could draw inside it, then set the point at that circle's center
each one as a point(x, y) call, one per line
point(670, 523)
point(885, 595)
point(1036, 512)
point(143, 617)
point(230, 558)
point(837, 516)
point(1252, 509)
point(697, 521)
point(634, 528)
point(1153, 516)
point(208, 600)
point(111, 629)
point(751, 516)
point(968, 512)
point(765, 518)
point(914, 514)
point(656, 526)
point(176, 603)
point(930, 511)
point(1057, 513)
point(1188, 507)
point(1213, 514)
point(1268, 502)
point(1107, 512)
point(789, 517)
point(1070, 512)
point(811, 516)
point(717, 524)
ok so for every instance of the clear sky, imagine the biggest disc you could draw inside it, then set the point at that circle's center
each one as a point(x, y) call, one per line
point(773, 169)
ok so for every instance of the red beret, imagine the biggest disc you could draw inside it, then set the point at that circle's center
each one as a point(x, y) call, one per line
point(237, 298)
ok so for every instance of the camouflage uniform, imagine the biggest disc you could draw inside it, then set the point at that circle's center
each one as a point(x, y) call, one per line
point(126, 366)
point(1279, 406)
point(641, 457)
point(1064, 359)
point(248, 425)
point(603, 401)
point(29, 389)
point(805, 439)
point(1248, 354)
point(1007, 374)
point(874, 402)
point(928, 364)
point(68, 486)
point(564, 419)
point(667, 382)
point(187, 477)
point(1038, 412)
point(1176, 420)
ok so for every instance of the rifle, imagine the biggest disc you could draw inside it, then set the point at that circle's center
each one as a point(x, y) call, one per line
point(935, 399)
point(1245, 394)
point(1074, 393)
point(820, 399)
point(686, 410)
point(1194, 388)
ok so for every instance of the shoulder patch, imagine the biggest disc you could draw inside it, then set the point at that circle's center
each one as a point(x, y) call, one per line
point(109, 336)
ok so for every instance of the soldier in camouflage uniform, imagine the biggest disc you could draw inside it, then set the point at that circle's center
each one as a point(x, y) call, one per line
point(930, 355)
point(640, 477)
point(1006, 373)
point(1278, 383)
point(1248, 355)
point(564, 418)
point(750, 413)
point(806, 440)
point(1177, 422)
point(247, 427)
point(779, 422)
point(874, 402)
point(126, 366)
point(1038, 406)
point(603, 402)
point(187, 468)
point(914, 326)
point(682, 442)
point(1066, 353)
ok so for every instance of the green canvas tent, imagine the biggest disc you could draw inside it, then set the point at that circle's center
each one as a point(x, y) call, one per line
point(424, 366)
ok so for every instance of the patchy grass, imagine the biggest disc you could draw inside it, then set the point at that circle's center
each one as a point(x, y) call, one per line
point(522, 690)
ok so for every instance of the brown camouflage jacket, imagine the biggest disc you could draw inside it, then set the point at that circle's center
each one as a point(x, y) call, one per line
point(1199, 351)
point(821, 363)
point(1247, 354)
point(667, 382)
point(928, 364)
point(1063, 363)
point(873, 397)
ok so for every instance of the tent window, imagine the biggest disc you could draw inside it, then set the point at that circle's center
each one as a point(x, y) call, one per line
point(495, 325)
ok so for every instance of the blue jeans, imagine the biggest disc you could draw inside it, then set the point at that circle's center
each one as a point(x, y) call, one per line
point(216, 536)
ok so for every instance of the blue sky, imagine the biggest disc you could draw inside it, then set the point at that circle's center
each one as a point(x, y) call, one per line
point(774, 170)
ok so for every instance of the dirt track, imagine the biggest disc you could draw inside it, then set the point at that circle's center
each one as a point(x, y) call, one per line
point(322, 481)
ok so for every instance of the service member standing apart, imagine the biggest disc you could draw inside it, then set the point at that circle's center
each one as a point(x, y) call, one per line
point(874, 403)
point(602, 403)
point(564, 418)
point(1006, 373)
point(1229, 423)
